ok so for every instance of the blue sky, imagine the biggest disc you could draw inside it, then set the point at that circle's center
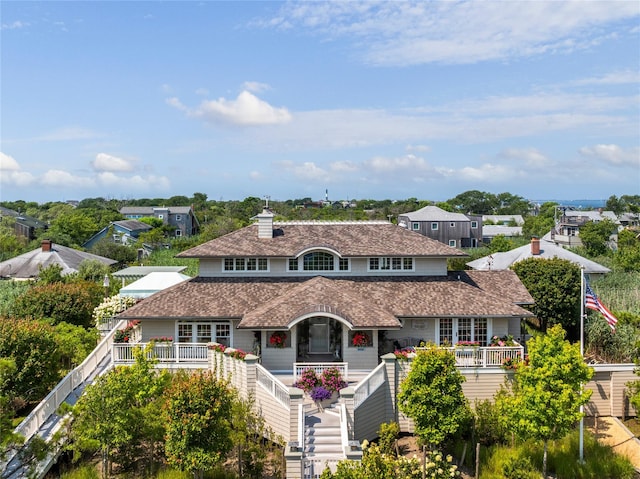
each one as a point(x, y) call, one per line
point(368, 100)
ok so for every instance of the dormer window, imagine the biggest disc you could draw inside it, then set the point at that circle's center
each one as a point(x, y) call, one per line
point(318, 261)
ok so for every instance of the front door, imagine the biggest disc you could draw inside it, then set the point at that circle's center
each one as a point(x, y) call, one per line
point(319, 335)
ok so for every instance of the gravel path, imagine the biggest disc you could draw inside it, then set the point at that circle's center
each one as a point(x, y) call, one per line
point(610, 430)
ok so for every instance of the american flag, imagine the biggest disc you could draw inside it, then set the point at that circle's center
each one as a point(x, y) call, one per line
point(592, 302)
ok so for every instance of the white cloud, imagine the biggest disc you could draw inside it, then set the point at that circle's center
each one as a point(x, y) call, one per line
point(17, 24)
point(407, 163)
point(529, 157)
point(255, 87)
point(614, 78)
point(7, 163)
point(409, 33)
point(255, 175)
point(11, 173)
point(64, 179)
point(105, 162)
point(137, 182)
point(613, 155)
point(246, 110)
point(202, 92)
point(418, 148)
point(67, 134)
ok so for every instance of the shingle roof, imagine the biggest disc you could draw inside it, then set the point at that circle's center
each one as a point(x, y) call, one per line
point(349, 239)
point(375, 302)
point(28, 265)
point(133, 225)
point(433, 213)
point(148, 210)
point(548, 250)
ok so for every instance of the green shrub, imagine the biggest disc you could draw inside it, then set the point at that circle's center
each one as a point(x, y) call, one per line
point(387, 437)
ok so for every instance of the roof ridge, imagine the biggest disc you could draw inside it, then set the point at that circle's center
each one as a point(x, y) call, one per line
point(332, 222)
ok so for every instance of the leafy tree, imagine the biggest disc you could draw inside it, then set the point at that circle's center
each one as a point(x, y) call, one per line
point(474, 201)
point(595, 236)
point(75, 343)
point(500, 243)
point(70, 302)
point(7, 410)
point(627, 257)
point(509, 204)
point(547, 392)
point(119, 252)
point(540, 224)
point(555, 286)
point(33, 348)
point(615, 204)
point(120, 413)
point(9, 291)
point(92, 270)
point(75, 225)
point(197, 412)
point(50, 275)
point(432, 396)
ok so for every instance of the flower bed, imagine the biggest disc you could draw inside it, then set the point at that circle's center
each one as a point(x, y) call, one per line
point(330, 380)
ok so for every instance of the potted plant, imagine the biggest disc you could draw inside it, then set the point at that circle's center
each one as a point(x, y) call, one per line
point(360, 339)
point(278, 339)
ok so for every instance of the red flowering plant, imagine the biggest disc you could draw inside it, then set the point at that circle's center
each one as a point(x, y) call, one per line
point(123, 335)
point(360, 339)
point(473, 344)
point(218, 347)
point(161, 339)
point(278, 339)
point(237, 354)
point(403, 354)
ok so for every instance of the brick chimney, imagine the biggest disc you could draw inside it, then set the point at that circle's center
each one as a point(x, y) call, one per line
point(265, 224)
point(535, 246)
point(46, 246)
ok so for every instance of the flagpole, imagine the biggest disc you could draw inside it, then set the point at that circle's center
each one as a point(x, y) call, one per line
point(581, 446)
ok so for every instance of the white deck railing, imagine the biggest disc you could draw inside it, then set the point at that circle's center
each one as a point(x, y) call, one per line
point(484, 356)
point(122, 353)
point(50, 404)
point(298, 368)
point(276, 388)
point(368, 385)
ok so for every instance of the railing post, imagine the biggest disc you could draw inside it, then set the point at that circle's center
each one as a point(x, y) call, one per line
point(347, 397)
point(390, 369)
point(295, 400)
point(250, 374)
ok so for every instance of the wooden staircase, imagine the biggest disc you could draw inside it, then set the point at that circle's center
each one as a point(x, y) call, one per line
point(322, 442)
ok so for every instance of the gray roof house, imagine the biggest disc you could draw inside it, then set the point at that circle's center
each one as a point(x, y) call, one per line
point(536, 249)
point(453, 229)
point(27, 265)
point(182, 218)
point(25, 226)
point(124, 232)
point(567, 229)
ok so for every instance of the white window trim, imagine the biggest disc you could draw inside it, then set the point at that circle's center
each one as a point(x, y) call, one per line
point(452, 224)
point(452, 243)
point(415, 226)
point(474, 224)
point(178, 217)
point(390, 270)
point(434, 226)
point(454, 329)
point(336, 264)
point(194, 329)
point(245, 270)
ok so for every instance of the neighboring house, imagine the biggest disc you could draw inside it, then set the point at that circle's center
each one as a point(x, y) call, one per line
point(152, 283)
point(536, 249)
point(182, 218)
point(491, 231)
point(134, 273)
point(28, 265)
point(125, 232)
point(566, 232)
point(453, 229)
point(629, 220)
point(25, 226)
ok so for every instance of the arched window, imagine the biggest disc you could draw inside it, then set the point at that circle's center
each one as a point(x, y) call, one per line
point(318, 261)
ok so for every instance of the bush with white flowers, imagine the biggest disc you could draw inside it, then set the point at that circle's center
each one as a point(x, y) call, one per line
point(112, 306)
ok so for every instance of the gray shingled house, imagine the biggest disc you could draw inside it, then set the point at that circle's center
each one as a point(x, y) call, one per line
point(454, 229)
point(318, 284)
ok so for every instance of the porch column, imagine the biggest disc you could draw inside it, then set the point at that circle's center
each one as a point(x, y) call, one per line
point(295, 400)
point(390, 413)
